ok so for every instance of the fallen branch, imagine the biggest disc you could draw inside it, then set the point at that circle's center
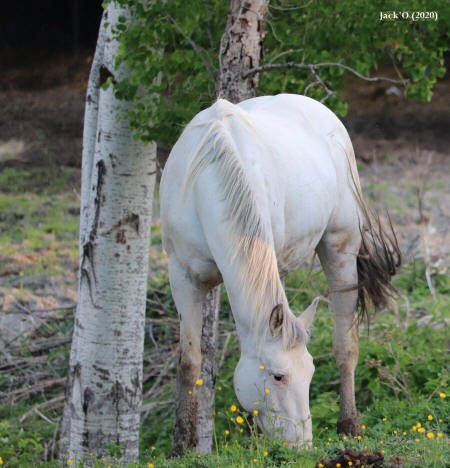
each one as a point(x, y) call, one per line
point(44, 345)
point(23, 362)
point(28, 391)
point(54, 402)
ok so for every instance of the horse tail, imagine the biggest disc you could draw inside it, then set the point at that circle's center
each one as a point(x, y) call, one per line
point(379, 256)
point(378, 259)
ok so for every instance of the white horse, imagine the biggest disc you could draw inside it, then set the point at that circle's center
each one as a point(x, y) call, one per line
point(248, 193)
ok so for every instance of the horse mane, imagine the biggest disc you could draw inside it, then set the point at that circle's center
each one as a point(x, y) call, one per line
point(252, 252)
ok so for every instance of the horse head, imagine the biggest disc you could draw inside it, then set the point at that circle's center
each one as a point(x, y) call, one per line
point(274, 376)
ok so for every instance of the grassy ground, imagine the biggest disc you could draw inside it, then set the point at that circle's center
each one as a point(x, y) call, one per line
point(402, 378)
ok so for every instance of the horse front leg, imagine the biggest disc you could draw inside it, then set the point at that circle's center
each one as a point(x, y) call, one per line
point(188, 297)
point(338, 260)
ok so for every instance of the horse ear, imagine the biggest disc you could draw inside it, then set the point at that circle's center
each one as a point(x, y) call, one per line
point(306, 319)
point(276, 320)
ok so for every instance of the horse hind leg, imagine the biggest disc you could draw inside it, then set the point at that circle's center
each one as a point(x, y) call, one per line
point(188, 297)
point(338, 257)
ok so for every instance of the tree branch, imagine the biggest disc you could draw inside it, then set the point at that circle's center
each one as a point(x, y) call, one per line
point(314, 66)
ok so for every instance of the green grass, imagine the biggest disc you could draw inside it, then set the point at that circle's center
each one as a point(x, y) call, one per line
point(39, 220)
point(401, 377)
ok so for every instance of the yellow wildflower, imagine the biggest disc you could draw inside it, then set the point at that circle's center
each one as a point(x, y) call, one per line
point(265, 453)
point(226, 432)
point(417, 440)
point(421, 430)
point(363, 427)
point(255, 412)
point(359, 437)
point(321, 465)
point(233, 408)
point(261, 367)
point(239, 419)
point(430, 417)
point(442, 395)
point(440, 435)
point(1, 461)
point(349, 463)
point(69, 461)
point(266, 391)
point(255, 403)
point(338, 465)
point(199, 382)
point(384, 419)
point(430, 435)
point(150, 465)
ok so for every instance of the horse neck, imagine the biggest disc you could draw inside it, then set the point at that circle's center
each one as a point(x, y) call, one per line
point(254, 289)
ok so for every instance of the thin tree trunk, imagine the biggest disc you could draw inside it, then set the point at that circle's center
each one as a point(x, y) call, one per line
point(206, 393)
point(104, 393)
point(241, 50)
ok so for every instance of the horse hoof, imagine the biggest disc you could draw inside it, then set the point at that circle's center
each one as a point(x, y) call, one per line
point(350, 427)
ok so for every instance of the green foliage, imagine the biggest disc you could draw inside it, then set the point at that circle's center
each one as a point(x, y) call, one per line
point(172, 51)
point(22, 444)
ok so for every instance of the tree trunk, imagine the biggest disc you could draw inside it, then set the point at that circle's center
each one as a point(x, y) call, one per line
point(241, 49)
point(206, 393)
point(104, 392)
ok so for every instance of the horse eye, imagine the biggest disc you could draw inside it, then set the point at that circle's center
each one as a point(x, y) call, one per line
point(278, 377)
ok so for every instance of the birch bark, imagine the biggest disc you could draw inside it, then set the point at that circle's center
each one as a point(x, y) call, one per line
point(104, 392)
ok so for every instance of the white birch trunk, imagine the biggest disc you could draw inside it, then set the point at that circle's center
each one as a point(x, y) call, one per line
point(105, 374)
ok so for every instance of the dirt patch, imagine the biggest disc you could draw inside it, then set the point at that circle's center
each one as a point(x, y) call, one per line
point(365, 458)
point(42, 106)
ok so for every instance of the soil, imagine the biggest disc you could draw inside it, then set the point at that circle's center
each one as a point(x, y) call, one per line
point(402, 149)
point(365, 458)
